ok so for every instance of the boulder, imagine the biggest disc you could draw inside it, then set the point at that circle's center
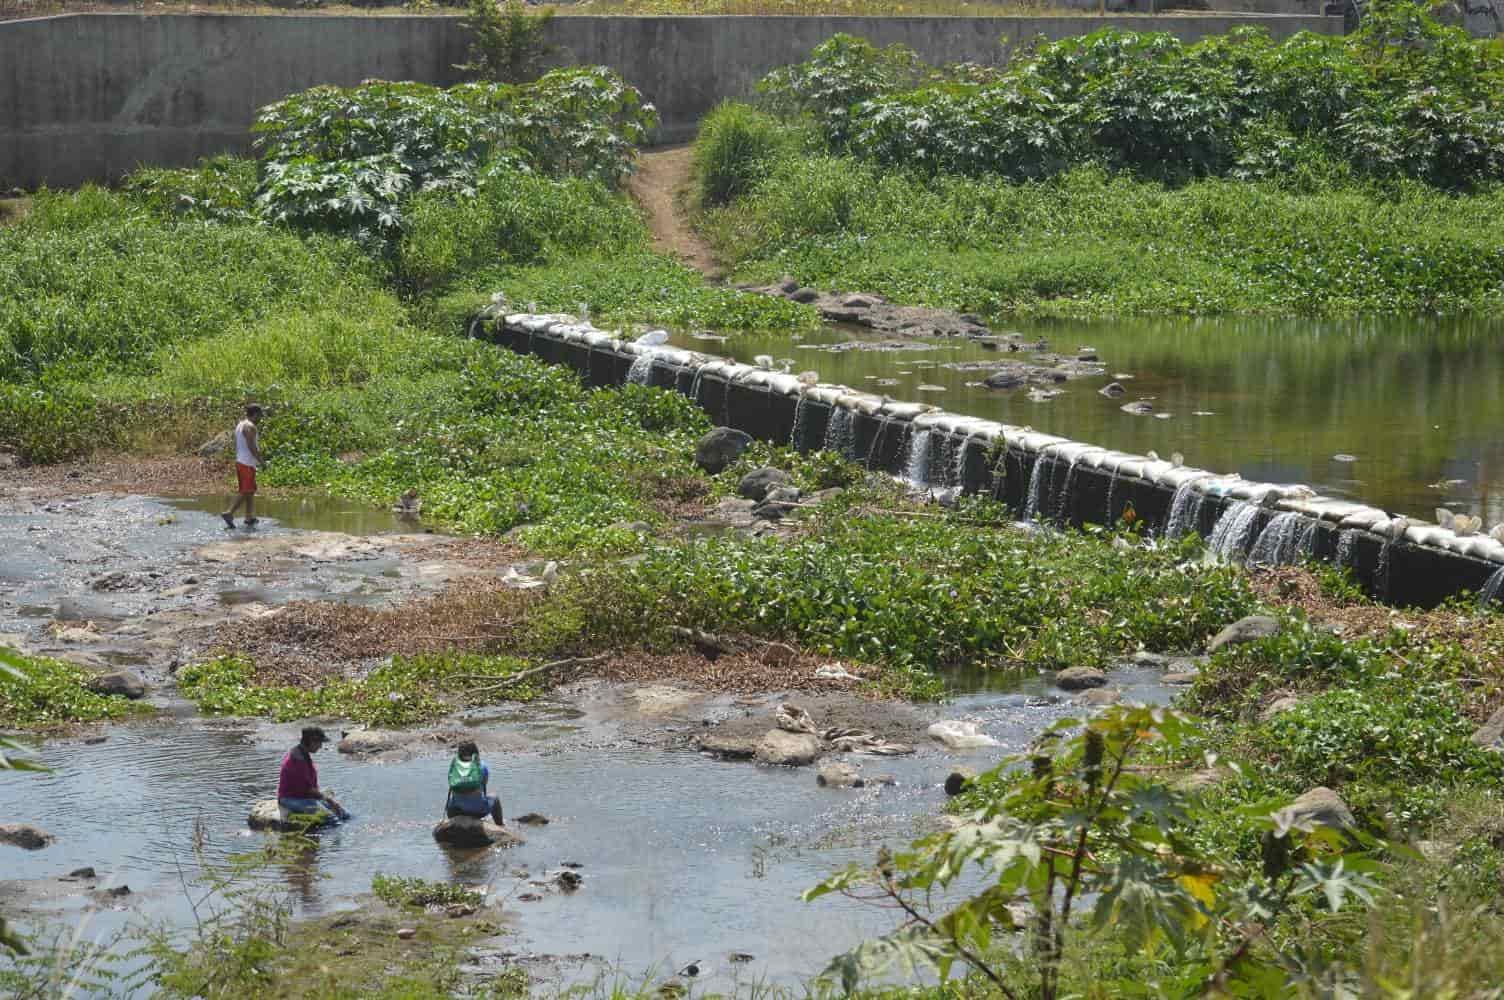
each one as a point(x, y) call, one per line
point(755, 484)
point(1099, 697)
point(25, 836)
point(836, 775)
point(1147, 659)
point(1490, 735)
point(120, 683)
point(221, 445)
point(369, 741)
point(1180, 677)
point(720, 447)
point(735, 746)
point(957, 781)
point(1080, 678)
point(1249, 629)
point(469, 831)
point(1279, 706)
point(1138, 408)
point(776, 503)
point(1320, 807)
point(267, 815)
point(1004, 380)
point(960, 735)
point(805, 295)
point(781, 747)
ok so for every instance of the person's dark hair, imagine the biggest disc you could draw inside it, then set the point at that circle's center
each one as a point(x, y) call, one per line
point(253, 410)
point(313, 734)
point(468, 749)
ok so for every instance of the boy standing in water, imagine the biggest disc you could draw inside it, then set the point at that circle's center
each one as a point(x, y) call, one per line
point(247, 461)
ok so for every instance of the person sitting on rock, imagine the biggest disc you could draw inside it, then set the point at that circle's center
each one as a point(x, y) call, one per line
point(468, 777)
point(298, 790)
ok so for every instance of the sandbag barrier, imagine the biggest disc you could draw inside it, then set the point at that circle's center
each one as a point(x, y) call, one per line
point(1040, 475)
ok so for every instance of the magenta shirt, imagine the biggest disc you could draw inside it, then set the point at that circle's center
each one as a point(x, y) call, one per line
point(299, 778)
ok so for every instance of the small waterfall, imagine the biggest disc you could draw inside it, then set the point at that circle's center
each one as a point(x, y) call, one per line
point(875, 446)
point(838, 432)
point(1233, 533)
point(642, 369)
point(1279, 544)
point(947, 460)
point(1185, 509)
point(1112, 488)
point(958, 464)
point(1063, 501)
point(694, 389)
point(1347, 547)
point(1493, 587)
point(1038, 486)
point(801, 422)
point(917, 464)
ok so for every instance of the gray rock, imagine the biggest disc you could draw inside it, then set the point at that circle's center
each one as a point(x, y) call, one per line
point(756, 484)
point(1099, 697)
point(86, 874)
point(1490, 735)
point(1112, 390)
point(734, 746)
point(1249, 629)
point(957, 780)
point(1180, 678)
point(776, 503)
point(1144, 659)
point(1279, 706)
point(121, 683)
point(857, 302)
point(468, 831)
point(794, 749)
point(805, 295)
point(720, 447)
point(368, 741)
point(787, 284)
point(1004, 380)
point(1080, 678)
point(1138, 408)
point(267, 815)
point(836, 775)
point(1320, 807)
point(25, 836)
point(220, 445)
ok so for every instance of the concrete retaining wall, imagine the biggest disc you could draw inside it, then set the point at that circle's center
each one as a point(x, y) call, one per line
point(88, 97)
point(1038, 474)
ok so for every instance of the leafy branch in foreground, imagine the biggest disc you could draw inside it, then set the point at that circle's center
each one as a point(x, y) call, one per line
point(1086, 826)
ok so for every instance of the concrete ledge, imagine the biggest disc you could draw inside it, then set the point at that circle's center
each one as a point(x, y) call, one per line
point(1039, 475)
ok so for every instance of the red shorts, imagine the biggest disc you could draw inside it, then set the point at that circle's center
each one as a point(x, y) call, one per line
point(245, 475)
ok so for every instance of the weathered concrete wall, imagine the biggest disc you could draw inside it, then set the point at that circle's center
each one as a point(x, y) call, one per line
point(1036, 474)
point(88, 97)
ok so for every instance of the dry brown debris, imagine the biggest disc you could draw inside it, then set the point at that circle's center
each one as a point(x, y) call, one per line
point(308, 641)
point(162, 476)
point(734, 673)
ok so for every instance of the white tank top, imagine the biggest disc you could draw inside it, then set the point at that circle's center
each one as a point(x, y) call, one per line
point(242, 446)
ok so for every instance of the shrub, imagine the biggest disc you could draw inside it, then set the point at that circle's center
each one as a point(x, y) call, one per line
point(41, 693)
point(736, 148)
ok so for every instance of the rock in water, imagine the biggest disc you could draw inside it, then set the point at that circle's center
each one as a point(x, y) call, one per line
point(839, 776)
point(1249, 629)
point(794, 749)
point(121, 683)
point(25, 836)
point(720, 447)
point(733, 746)
point(1080, 678)
point(1320, 807)
point(267, 815)
point(532, 819)
point(776, 503)
point(364, 741)
point(755, 484)
point(960, 735)
point(469, 831)
point(957, 780)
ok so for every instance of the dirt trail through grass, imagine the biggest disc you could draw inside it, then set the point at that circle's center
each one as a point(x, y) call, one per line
point(660, 186)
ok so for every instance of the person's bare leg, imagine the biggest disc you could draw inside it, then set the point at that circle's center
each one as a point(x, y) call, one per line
point(229, 515)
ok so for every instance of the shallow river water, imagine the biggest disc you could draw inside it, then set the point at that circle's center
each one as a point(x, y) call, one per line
point(1414, 406)
point(684, 858)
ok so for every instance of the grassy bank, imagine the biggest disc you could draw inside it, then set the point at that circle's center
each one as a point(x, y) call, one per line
point(1126, 173)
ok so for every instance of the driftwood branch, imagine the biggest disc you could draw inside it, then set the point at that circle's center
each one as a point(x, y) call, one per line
point(495, 682)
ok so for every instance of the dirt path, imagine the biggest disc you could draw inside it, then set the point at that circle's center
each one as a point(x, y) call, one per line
point(660, 186)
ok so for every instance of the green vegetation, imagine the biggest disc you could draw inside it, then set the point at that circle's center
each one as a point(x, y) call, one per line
point(396, 890)
point(403, 692)
point(1321, 175)
point(42, 693)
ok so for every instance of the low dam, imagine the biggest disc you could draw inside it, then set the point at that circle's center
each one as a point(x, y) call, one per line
point(1039, 475)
